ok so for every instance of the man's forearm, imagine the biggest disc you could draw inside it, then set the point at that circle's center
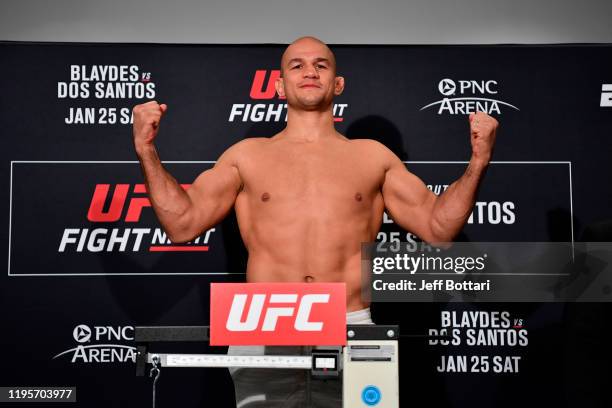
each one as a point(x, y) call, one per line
point(169, 200)
point(453, 207)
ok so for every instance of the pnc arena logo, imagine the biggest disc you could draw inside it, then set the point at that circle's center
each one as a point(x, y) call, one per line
point(269, 106)
point(462, 97)
point(98, 344)
point(277, 313)
point(123, 204)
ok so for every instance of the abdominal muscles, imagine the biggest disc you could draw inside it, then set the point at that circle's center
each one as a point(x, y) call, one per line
point(312, 239)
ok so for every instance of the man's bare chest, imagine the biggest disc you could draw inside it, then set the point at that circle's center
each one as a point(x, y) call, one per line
point(309, 174)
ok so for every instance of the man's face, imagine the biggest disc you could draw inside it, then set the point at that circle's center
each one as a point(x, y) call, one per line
point(309, 77)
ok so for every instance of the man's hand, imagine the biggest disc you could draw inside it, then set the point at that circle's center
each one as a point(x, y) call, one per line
point(146, 123)
point(482, 131)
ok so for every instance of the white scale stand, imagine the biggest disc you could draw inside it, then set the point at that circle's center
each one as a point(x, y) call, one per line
point(369, 361)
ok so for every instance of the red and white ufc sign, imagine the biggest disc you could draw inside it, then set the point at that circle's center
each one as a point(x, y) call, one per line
point(118, 200)
point(275, 313)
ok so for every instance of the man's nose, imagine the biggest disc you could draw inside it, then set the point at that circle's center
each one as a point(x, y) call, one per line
point(311, 72)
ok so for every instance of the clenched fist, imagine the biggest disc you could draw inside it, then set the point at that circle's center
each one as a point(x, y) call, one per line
point(482, 131)
point(146, 122)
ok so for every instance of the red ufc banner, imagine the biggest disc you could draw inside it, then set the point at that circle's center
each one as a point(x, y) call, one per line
point(275, 313)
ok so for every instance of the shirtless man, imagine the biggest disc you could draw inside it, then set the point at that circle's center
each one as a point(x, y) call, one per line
point(306, 198)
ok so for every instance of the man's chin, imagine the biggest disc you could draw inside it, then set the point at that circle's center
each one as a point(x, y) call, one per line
point(312, 104)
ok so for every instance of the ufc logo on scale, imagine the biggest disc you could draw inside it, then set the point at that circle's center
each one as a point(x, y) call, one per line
point(273, 313)
point(278, 314)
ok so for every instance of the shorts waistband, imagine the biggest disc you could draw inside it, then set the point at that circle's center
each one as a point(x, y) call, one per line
point(362, 316)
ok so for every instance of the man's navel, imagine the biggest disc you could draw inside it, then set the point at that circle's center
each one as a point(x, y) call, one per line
point(265, 197)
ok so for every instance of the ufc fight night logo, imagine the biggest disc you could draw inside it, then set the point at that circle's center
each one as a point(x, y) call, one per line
point(277, 314)
point(114, 225)
point(266, 109)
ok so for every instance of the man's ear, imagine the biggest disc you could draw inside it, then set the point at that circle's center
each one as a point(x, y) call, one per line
point(338, 85)
point(280, 87)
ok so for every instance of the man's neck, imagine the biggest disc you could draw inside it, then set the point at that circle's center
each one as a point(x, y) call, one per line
point(309, 126)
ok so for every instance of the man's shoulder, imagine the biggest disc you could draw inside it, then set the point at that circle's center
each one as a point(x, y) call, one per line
point(371, 146)
point(367, 143)
point(376, 152)
point(250, 143)
point(244, 147)
point(247, 145)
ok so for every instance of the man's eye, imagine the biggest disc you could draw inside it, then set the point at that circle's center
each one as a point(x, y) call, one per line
point(296, 66)
point(321, 66)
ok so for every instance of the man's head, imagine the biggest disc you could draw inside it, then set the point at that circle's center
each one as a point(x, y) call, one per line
point(308, 75)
